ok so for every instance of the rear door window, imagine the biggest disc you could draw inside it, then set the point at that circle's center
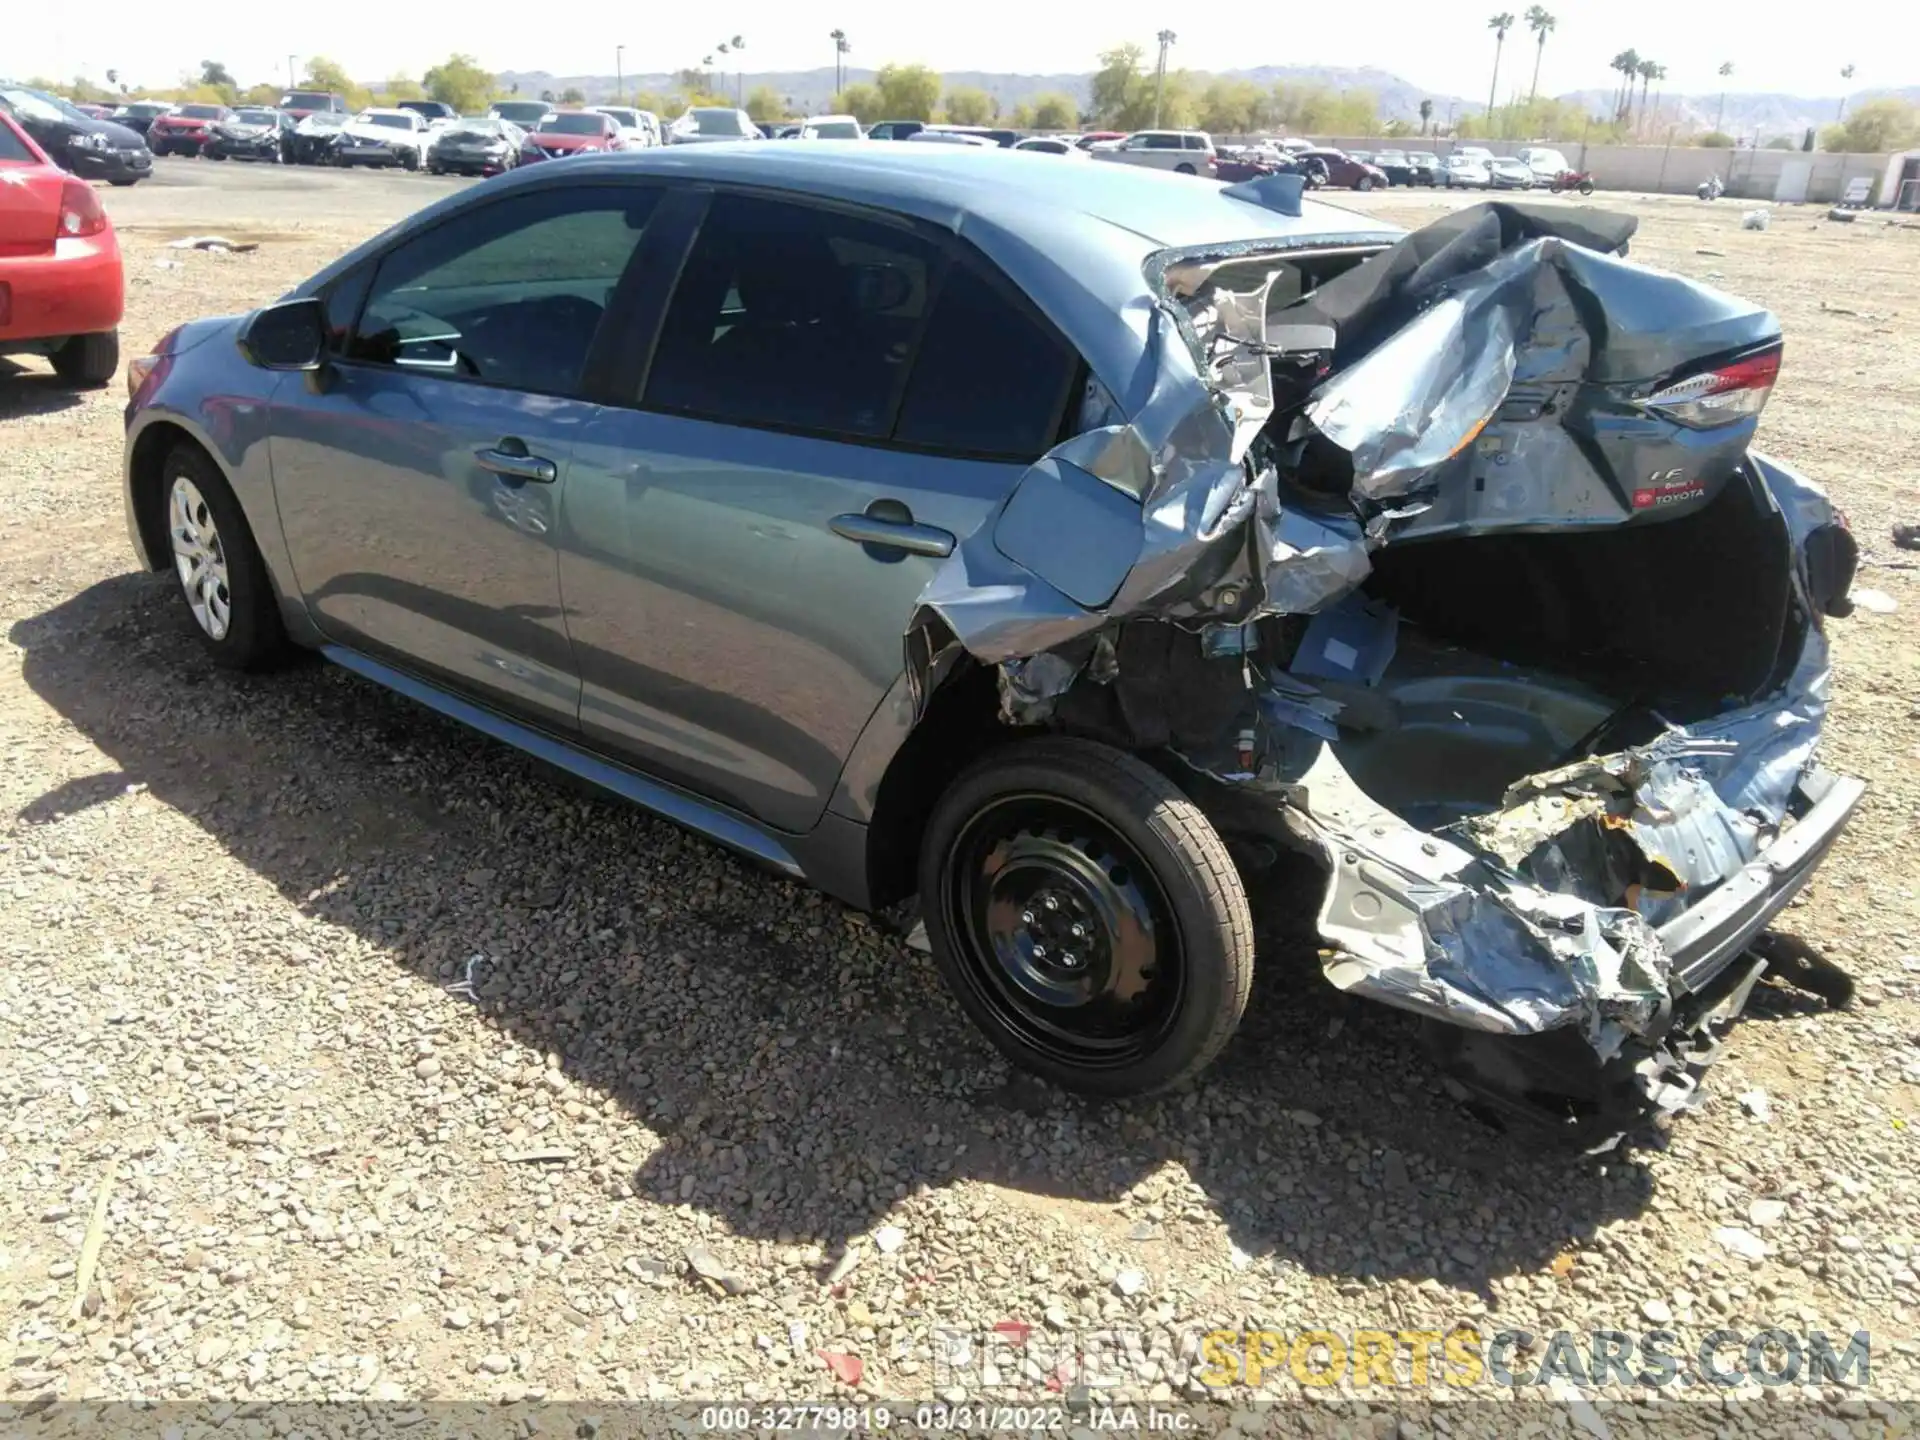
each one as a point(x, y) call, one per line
point(991, 378)
point(793, 316)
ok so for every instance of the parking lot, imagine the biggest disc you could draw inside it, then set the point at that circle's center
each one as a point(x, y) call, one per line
point(240, 912)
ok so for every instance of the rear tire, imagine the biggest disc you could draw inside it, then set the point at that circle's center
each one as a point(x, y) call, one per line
point(1184, 170)
point(88, 360)
point(218, 570)
point(1087, 917)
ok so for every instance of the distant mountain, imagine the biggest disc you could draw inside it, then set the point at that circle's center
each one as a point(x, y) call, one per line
point(812, 90)
point(1770, 114)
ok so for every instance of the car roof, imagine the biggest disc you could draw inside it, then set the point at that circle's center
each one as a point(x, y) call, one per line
point(387, 110)
point(1076, 238)
point(830, 119)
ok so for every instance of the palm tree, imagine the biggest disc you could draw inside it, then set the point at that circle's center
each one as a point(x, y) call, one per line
point(1426, 114)
point(1500, 24)
point(1846, 73)
point(1720, 120)
point(1646, 69)
point(1627, 62)
point(1541, 23)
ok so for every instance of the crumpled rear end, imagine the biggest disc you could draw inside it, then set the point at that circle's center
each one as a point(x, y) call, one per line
point(1450, 565)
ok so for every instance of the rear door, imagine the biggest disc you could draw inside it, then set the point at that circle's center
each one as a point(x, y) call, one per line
point(834, 399)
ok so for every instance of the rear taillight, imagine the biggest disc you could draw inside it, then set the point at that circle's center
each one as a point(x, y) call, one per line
point(1734, 391)
point(80, 212)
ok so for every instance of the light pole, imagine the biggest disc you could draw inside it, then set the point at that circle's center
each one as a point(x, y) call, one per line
point(1166, 38)
point(290, 80)
point(619, 75)
point(840, 48)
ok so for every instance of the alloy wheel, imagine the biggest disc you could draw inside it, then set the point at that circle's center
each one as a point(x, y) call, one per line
point(199, 558)
point(1066, 935)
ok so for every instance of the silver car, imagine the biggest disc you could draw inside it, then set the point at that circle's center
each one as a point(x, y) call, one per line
point(1039, 554)
point(1185, 152)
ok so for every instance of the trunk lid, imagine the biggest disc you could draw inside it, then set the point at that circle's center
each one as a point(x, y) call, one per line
point(29, 208)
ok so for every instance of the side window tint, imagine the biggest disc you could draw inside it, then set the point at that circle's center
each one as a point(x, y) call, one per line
point(343, 300)
point(990, 378)
point(794, 316)
point(510, 294)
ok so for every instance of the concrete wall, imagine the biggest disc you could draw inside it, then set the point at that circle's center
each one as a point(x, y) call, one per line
point(1658, 169)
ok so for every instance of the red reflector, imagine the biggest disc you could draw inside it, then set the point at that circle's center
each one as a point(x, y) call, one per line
point(1735, 391)
point(6, 304)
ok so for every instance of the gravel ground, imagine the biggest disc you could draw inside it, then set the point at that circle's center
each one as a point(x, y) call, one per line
point(408, 1072)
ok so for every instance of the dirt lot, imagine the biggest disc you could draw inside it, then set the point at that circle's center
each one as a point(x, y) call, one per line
point(237, 909)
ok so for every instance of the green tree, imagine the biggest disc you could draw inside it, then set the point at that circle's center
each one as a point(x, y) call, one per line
point(1230, 107)
point(968, 106)
point(1122, 94)
point(402, 87)
point(764, 104)
point(573, 95)
point(459, 81)
point(1053, 111)
point(1781, 142)
point(907, 92)
point(213, 73)
point(1426, 115)
point(1715, 140)
point(262, 94)
point(861, 101)
point(1875, 127)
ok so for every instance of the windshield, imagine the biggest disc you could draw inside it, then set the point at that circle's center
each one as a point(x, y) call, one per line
point(475, 130)
point(324, 120)
point(35, 106)
point(1548, 160)
point(717, 122)
point(257, 117)
point(143, 111)
point(391, 122)
point(574, 125)
point(306, 100)
point(628, 118)
point(836, 130)
point(203, 112)
point(524, 112)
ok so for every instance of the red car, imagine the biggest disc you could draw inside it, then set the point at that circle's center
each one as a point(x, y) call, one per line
point(61, 287)
point(572, 132)
point(185, 130)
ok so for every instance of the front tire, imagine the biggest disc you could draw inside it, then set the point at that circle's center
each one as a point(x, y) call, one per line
point(1087, 917)
point(221, 578)
point(88, 360)
point(1365, 182)
point(1184, 169)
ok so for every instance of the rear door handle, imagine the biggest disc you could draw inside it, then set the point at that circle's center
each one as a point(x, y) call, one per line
point(905, 534)
point(517, 466)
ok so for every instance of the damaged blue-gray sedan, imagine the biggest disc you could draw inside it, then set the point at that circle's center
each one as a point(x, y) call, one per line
point(1056, 559)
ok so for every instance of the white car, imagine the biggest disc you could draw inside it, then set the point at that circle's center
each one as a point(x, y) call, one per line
point(1463, 171)
point(384, 137)
point(707, 124)
point(1546, 164)
point(1052, 145)
point(1186, 152)
point(952, 137)
point(831, 127)
point(634, 126)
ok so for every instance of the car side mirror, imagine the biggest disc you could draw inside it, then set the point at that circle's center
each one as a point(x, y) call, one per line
point(291, 335)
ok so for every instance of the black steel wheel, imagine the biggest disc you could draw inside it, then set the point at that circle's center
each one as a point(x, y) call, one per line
point(1087, 916)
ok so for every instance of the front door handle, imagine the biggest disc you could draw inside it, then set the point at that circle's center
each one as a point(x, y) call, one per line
point(510, 458)
point(884, 529)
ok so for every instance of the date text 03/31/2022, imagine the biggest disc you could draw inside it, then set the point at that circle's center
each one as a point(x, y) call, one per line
point(942, 1418)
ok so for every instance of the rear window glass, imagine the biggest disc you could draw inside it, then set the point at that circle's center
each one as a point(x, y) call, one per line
point(574, 125)
point(203, 112)
point(990, 378)
point(12, 148)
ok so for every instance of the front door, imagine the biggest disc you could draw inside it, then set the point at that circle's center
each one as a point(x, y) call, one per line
point(833, 401)
point(420, 474)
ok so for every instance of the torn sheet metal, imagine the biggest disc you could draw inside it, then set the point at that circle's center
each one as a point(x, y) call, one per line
point(1490, 370)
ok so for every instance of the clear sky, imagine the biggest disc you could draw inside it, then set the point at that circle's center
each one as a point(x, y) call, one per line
point(1443, 47)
